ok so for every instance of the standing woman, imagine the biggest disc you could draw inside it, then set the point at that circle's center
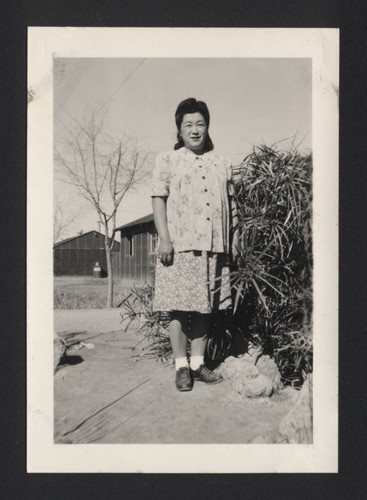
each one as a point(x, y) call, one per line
point(191, 207)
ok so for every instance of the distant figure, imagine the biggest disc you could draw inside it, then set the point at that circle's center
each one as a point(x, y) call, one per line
point(191, 204)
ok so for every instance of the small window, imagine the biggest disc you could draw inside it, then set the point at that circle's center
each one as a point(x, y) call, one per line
point(153, 242)
point(130, 245)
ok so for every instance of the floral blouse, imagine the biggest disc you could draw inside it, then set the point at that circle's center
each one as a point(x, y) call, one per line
point(197, 190)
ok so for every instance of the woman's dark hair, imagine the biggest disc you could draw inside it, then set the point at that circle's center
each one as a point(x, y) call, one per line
point(189, 106)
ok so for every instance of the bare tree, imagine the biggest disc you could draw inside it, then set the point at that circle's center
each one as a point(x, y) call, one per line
point(61, 220)
point(103, 169)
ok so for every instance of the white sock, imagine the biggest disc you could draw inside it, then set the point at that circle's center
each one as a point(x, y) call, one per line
point(196, 361)
point(181, 363)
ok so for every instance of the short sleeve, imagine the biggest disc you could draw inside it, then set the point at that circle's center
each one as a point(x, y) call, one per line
point(161, 176)
point(229, 178)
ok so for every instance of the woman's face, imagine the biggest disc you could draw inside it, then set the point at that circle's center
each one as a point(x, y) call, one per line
point(194, 131)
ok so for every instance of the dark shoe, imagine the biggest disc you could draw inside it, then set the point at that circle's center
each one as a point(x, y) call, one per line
point(183, 379)
point(203, 374)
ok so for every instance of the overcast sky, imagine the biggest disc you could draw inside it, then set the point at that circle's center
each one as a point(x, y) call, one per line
point(251, 101)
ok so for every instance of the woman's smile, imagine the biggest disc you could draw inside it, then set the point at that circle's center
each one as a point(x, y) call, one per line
point(194, 131)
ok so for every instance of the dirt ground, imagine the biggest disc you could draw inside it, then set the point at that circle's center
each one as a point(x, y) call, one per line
point(102, 395)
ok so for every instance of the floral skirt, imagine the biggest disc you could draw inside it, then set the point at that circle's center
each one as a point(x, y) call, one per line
point(196, 281)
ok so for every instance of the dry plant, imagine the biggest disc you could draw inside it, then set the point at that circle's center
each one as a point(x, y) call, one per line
point(61, 221)
point(64, 299)
point(103, 169)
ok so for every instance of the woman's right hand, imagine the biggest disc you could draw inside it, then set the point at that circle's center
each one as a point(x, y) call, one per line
point(165, 252)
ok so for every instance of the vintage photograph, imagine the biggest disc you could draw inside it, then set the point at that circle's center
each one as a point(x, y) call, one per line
point(183, 249)
point(183, 207)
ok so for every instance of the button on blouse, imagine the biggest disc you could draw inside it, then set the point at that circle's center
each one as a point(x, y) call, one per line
point(197, 190)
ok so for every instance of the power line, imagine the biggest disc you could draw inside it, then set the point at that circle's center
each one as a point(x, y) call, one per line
point(122, 84)
point(77, 78)
point(73, 81)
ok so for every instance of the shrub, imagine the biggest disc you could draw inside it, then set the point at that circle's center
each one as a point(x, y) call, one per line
point(152, 327)
point(225, 337)
point(273, 196)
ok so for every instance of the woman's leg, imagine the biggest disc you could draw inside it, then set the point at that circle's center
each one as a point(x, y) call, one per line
point(178, 330)
point(200, 326)
point(200, 329)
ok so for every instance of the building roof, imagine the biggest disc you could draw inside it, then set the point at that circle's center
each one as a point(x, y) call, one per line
point(142, 220)
point(62, 242)
point(65, 240)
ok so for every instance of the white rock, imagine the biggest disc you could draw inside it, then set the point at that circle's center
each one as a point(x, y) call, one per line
point(296, 427)
point(258, 387)
point(245, 378)
point(234, 367)
point(268, 367)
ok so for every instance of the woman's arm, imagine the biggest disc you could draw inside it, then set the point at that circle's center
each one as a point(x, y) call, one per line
point(235, 247)
point(165, 248)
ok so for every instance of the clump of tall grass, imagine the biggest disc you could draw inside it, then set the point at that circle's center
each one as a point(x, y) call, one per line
point(152, 327)
point(273, 197)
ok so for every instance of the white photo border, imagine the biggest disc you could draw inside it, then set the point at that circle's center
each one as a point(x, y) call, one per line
point(322, 46)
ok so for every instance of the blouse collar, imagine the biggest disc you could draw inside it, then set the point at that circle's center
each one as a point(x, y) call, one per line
point(190, 154)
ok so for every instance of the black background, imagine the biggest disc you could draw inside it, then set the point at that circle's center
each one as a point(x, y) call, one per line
point(348, 15)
